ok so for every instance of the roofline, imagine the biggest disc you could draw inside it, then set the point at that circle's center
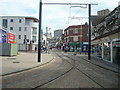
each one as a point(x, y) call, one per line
point(108, 14)
point(107, 34)
point(74, 26)
point(29, 17)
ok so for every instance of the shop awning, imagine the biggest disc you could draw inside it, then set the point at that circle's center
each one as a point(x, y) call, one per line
point(75, 43)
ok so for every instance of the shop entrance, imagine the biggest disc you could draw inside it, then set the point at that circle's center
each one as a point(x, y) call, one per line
point(116, 52)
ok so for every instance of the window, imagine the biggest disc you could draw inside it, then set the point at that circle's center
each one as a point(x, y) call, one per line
point(11, 28)
point(4, 23)
point(75, 38)
point(11, 20)
point(19, 36)
point(34, 38)
point(107, 55)
point(68, 32)
point(20, 20)
point(19, 28)
point(68, 39)
point(75, 31)
point(25, 28)
point(25, 36)
point(34, 31)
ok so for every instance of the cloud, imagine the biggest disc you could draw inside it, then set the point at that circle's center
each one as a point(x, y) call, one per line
point(54, 17)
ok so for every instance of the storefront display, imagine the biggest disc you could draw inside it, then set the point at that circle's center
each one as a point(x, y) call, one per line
point(107, 48)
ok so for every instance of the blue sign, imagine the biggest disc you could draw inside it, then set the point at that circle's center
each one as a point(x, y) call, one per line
point(3, 36)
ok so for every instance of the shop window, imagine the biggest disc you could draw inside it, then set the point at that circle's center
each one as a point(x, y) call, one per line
point(107, 55)
point(116, 51)
point(97, 50)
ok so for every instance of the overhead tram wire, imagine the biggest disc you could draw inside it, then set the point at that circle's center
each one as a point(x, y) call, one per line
point(69, 16)
point(68, 4)
point(89, 7)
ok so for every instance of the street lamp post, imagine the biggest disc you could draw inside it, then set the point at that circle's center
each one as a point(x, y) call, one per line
point(89, 39)
point(39, 34)
point(81, 40)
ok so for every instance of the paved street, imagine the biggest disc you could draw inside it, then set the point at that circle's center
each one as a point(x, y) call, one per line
point(23, 61)
point(63, 72)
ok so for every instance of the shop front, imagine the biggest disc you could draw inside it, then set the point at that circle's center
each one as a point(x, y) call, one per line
point(75, 46)
point(108, 51)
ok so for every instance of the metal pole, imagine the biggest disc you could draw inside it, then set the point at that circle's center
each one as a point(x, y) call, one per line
point(26, 44)
point(39, 34)
point(46, 37)
point(81, 38)
point(89, 38)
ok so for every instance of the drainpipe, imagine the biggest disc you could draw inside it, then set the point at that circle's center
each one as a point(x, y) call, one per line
point(102, 50)
point(111, 51)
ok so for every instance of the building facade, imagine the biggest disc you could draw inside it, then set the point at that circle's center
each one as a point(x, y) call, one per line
point(106, 42)
point(25, 28)
point(76, 37)
point(58, 33)
point(103, 12)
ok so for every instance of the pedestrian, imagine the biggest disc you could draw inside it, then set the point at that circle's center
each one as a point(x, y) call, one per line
point(75, 53)
point(35, 49)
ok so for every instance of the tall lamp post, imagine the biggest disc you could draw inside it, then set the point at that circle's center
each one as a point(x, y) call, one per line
point(81, 40)
point(39, 34)
point(89, 39)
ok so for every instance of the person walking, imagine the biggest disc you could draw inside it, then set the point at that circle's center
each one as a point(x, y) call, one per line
point(35, 49)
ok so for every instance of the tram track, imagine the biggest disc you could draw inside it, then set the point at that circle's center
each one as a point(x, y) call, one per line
point(82, 71)
point(85, 73)
point(92, 64)
point(73, 67)
point(55, 77)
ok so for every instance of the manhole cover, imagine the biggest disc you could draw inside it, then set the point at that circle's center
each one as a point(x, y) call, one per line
point(11, 58)
point(16, 62)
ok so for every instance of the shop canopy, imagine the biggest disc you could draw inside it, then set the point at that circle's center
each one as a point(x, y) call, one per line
point(75, 43)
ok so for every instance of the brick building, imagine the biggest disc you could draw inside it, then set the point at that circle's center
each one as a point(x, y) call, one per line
point(76, 37)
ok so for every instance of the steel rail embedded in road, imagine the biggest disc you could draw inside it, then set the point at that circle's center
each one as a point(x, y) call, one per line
point(82, 71)
point(55, 77)
point(73, 67)
point(94, 64)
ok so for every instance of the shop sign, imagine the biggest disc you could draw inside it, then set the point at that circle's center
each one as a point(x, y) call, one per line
point(11, 38)
point(117, 44)
point(3, 36)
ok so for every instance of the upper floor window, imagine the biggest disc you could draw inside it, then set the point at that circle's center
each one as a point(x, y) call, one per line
point(20, 20)
point(25, 36)
point(67, 32)
point(11, 28)
point(75, 31)
point(34, 38)
point(75, 38)
point(19, 28)
point(19, 37)
point(4, 23)
point(25, 29)
point(34, 31)
point(11, 20)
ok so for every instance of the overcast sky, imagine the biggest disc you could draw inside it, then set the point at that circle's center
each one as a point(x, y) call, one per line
point(54, 17)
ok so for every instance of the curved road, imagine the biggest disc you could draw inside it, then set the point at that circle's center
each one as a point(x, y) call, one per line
point(63, 72)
